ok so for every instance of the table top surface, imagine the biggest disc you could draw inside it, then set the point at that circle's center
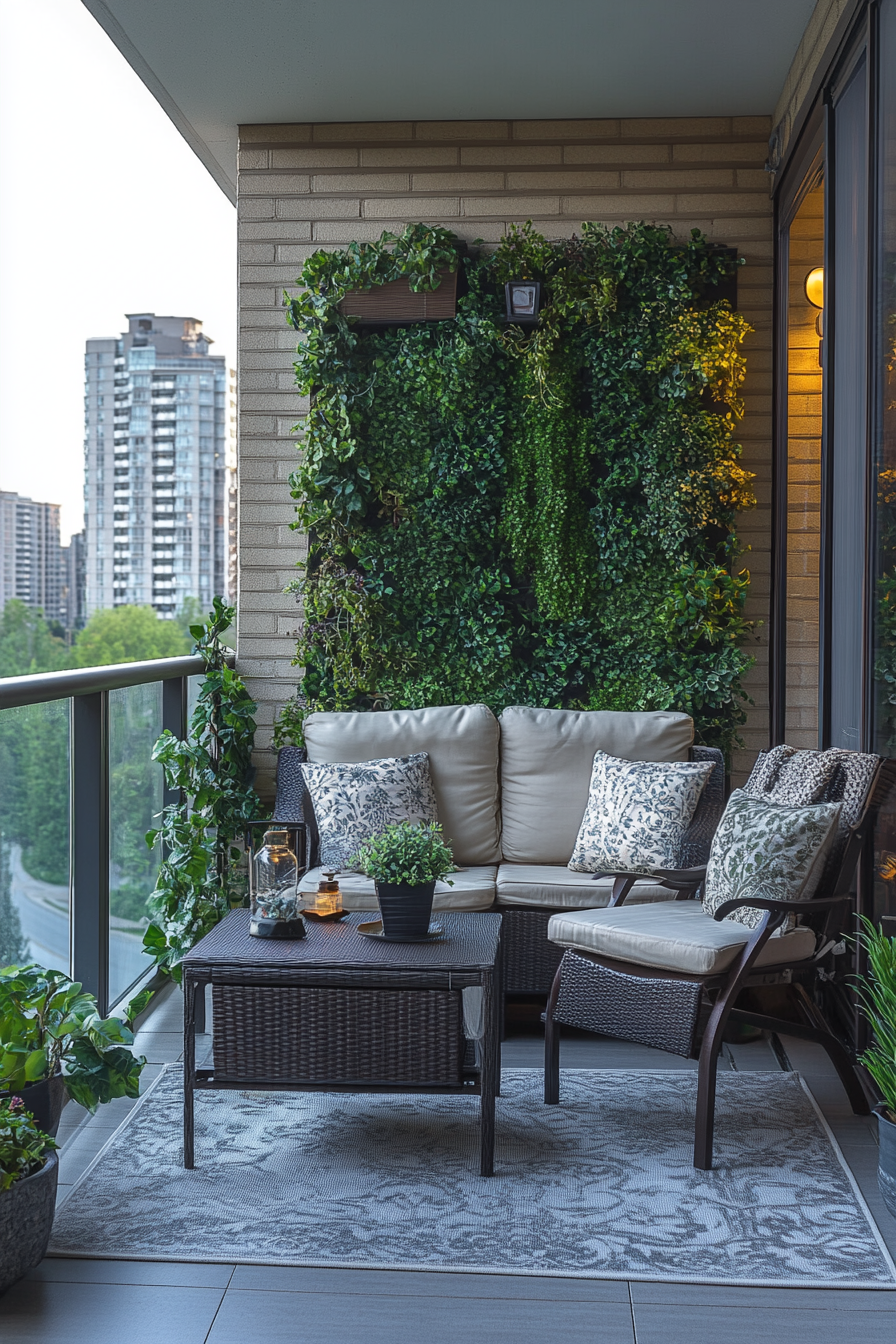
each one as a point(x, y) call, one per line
point(469, 942)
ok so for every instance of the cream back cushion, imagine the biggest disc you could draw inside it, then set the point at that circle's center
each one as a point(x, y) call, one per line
point(462, 744)
point(546, 761)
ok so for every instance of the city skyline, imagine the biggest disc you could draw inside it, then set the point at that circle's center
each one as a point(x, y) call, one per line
point(144, 228)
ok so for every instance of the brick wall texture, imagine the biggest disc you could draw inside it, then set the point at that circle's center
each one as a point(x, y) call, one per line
point(819, 31)
point(304, 187)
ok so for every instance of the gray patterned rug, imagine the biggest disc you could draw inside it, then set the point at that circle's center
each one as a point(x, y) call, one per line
point(599, 1187)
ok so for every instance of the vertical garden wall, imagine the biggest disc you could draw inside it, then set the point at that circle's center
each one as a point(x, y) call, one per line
point(540, 515)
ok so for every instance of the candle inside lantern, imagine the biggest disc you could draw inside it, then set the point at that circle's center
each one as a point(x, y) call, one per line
point(328, 899)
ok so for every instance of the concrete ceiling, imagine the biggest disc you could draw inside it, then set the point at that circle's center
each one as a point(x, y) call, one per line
point(216, 64)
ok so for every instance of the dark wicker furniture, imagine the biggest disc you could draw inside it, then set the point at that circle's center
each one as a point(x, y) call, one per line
point(687, 1014)
point(339, 1012)
point(530, 961)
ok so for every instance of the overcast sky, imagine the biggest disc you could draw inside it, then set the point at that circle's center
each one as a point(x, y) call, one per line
point(105, 210)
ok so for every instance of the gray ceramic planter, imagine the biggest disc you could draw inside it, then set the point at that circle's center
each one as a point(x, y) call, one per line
point(44, 1101)
point(405, 910)
point(886, 1162)
point(26, 1221)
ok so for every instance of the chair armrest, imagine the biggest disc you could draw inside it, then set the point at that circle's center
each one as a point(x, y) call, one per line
point(779, 906)
point(679, 877)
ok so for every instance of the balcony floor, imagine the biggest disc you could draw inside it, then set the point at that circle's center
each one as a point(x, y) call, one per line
point(142, 1302)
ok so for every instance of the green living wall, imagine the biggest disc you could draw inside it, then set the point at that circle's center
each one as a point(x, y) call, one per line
point(539, 516)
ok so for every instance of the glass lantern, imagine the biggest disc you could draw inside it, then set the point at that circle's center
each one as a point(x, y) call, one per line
point(274, 899)
point(328, 898)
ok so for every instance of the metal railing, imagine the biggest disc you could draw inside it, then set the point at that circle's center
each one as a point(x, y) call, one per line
point(88, 690)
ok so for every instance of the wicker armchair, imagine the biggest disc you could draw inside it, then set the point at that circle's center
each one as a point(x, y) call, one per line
point(683, 977)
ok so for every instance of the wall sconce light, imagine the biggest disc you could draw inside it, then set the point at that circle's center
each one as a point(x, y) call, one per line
point(522, 299)
point(815, 287)
point(815, 294)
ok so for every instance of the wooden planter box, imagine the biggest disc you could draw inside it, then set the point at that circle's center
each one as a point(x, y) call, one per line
point(396, 303)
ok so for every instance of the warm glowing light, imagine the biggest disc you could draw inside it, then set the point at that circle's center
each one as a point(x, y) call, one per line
point(815, 287)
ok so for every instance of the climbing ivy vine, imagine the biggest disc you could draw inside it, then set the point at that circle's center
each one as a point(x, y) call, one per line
point(541, 516)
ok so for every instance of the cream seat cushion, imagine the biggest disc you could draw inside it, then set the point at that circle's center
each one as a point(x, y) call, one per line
point(462, 744)
point(546, 761)
point(474, 889)
point(555, 886)
point(674, 935)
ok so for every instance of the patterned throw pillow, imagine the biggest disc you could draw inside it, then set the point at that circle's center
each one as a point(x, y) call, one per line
point(352, 802)
point(794, 778)
point(637, 814)
point(761, 844)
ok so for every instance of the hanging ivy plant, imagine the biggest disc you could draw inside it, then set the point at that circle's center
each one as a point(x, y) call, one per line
point(524, 517)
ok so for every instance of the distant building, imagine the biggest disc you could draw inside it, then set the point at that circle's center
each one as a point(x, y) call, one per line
point(30, 554)
point(160, 459)
point(74, 575)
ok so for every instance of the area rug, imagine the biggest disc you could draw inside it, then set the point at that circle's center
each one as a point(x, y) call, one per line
point(601, 1186)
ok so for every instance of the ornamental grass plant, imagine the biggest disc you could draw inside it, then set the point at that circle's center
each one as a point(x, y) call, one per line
point(406, 853)
point(877, 995)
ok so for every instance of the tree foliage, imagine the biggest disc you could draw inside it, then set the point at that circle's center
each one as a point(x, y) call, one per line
point(128, 635)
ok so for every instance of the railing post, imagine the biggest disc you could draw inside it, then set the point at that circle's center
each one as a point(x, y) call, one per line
point(90, 844)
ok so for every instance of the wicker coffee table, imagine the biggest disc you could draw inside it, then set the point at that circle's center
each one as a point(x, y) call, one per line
point(340, 1012)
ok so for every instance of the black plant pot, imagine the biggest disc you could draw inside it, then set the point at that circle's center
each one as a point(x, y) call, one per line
point(886, 1161)
point(405, 910)
point(44, 1101)
point(26, 1221)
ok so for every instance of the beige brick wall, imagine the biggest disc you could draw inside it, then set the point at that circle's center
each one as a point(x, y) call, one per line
point(819, 31)
point(304, 187)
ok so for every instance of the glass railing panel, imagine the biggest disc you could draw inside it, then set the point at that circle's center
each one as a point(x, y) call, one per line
point(35, 807)
point(135, 800)
point(194, 685)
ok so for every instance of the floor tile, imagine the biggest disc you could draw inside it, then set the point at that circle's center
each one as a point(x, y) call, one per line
point(293, 1318)
point(711, 1295)
point(148, 1272)
point(420, 1283)
point(656, 1324)
point(101, 1313)
point(159, 1047)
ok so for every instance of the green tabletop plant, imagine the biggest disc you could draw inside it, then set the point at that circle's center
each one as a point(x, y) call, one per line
point(406, 860)
point(407, 854)
point(50, 1026)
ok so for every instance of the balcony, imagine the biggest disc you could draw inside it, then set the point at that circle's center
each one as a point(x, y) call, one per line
point(79, 878)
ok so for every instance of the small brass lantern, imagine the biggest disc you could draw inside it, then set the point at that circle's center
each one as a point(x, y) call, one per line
point(274, 898)
point(328, 898)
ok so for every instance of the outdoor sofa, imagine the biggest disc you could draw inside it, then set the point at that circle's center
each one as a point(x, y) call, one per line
point(511, 793)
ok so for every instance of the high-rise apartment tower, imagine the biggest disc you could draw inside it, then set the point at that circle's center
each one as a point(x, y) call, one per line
point(31, 567)
point(159, 467)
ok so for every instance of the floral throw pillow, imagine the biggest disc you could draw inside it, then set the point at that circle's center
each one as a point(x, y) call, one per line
point(352, 802)
point(759, 845)
point(637, 814)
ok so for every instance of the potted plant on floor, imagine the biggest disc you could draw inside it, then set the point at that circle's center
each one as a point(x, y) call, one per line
point(877, 993)
point(406, 860)
point(53, 1041)
point(29, 1170)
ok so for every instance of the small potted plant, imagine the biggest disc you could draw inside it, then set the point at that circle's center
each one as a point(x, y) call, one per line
point(406, 860)
point(29, 1169)
point(53, 1040)
point(877, 994)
